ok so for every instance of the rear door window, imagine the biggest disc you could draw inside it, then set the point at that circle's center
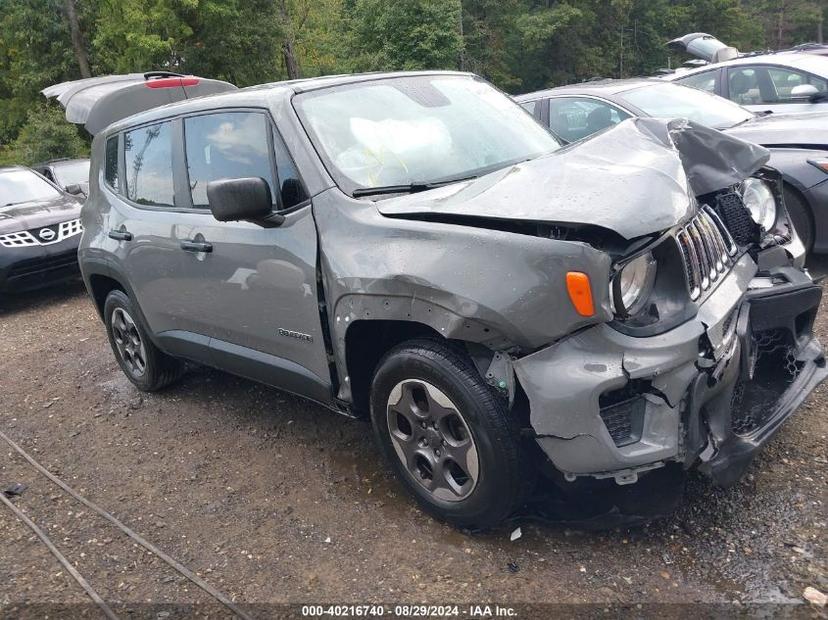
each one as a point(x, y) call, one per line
point(227, 145)
point(149, 165)
point(575, 118)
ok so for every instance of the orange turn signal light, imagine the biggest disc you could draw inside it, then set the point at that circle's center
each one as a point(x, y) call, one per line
point(580, 292)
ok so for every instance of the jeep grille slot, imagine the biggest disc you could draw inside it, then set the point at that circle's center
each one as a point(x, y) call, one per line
point(707, 250)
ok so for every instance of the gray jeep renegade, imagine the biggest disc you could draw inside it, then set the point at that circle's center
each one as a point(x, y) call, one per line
point(415, 248)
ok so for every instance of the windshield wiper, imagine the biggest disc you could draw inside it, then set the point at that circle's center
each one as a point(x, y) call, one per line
point(410, 188)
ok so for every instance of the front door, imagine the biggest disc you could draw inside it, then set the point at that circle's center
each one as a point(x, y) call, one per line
point(258, 286)
point(762, 88)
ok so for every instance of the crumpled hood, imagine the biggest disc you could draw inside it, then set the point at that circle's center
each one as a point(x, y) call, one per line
point(28, 215)
point(786, 130)
point(635, 179)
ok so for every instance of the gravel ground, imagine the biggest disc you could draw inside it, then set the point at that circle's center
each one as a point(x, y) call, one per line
point(273, 499)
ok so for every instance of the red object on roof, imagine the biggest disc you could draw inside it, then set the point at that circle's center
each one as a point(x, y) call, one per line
point(172, 82)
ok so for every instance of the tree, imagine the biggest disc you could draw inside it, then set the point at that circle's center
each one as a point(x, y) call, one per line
point(288, 41)
point(416, 34)
point(234, 40)
point(139, 35)
point(46, 135)
point(78, 44)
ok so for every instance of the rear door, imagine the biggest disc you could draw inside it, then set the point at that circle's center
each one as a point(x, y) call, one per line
point(147, 220)
point(257, 287)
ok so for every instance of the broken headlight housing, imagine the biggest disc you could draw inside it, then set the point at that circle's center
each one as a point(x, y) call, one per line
point(759, 199)
point(631, 287)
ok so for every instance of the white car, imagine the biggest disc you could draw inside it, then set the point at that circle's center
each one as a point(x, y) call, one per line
point(787, 82)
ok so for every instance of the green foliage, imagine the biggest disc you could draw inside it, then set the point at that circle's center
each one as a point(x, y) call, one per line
point(45, 135)
point(250, 36)
point(520, 45)
point(410, 35)
point(139, 34)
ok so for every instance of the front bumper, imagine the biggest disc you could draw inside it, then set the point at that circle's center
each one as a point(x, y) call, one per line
point(31, 267)
point(708, 393)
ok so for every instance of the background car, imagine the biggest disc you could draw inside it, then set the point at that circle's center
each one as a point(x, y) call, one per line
point(70, 174)
point(40, 229)
point(788, 81)
point(798, 143)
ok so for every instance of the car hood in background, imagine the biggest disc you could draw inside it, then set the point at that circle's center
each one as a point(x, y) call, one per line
point(800, 130)
point(29, 215)
point(635, 179)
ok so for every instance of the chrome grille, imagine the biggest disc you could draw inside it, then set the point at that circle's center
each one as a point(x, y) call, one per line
point(707, 249)
point(26, 238)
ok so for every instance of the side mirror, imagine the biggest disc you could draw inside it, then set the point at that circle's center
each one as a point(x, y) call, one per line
point(804, 91)
point(233, 200)
point(74, 189)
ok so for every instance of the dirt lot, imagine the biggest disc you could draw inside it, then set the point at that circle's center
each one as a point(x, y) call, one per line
point(272, 499)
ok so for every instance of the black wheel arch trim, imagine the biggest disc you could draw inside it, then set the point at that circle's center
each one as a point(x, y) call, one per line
point(98, 266)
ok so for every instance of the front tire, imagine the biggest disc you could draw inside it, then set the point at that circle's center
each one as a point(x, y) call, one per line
point(448, 435)
point(146, 366)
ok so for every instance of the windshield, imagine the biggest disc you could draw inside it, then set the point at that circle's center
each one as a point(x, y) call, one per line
point(674, 101)
point(18, 186)
point(71, 173)
point(418, 130)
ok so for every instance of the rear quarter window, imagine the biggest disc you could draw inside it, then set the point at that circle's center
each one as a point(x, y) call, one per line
point(111, 164)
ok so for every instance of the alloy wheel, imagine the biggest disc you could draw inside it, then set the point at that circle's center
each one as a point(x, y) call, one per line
point(432, 440)
point(128, 342)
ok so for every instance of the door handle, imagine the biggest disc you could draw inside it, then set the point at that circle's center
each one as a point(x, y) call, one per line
point(196, 246)
point(120, 235)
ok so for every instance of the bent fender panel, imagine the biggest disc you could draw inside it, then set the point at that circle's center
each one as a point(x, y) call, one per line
point(501, 289)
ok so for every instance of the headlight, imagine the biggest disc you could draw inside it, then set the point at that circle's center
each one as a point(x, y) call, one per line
point(759, 200)
point(632, 286)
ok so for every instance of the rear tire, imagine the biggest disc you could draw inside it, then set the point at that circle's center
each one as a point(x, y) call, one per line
point(146, 366)
point(801, 217)
point(448, 435)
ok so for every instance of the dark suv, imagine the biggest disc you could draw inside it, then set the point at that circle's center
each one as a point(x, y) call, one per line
point(416, 248)
point(40, 230)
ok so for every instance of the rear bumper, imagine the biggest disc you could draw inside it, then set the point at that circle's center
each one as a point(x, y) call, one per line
point(28, 268)
point(708, 393)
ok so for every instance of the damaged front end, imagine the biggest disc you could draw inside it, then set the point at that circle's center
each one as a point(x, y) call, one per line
point(711, 347)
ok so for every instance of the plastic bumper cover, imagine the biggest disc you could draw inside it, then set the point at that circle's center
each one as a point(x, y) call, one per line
point(604, 404)
point(31, 267)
